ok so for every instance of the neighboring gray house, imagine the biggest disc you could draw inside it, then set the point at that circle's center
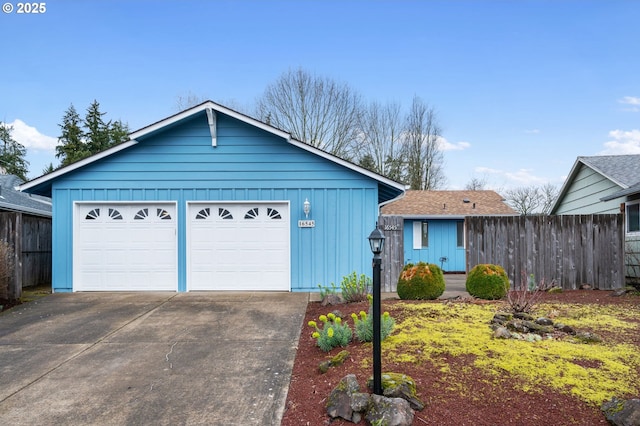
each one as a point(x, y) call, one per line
point(25, 224)
point(12, 200)
point(606, 184)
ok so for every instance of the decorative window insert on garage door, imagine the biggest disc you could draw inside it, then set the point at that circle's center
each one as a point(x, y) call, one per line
point(238, 246)
point(125, 246)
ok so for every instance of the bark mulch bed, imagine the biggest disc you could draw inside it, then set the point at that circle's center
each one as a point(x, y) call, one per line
point(486, 402)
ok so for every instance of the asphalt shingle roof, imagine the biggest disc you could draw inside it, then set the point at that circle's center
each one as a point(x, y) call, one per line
point(622, 169)
point(449, 203)
point(13, 200)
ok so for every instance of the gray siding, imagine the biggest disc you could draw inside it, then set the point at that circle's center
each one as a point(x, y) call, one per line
point(584, 194)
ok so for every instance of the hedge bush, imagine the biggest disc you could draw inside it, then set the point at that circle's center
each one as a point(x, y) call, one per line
point(421, 281)
point(487, 281)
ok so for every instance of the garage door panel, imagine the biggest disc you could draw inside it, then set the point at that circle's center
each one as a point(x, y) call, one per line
point(238, 246)
point(125, 247)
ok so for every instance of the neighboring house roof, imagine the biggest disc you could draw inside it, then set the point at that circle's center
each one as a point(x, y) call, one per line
point(622, 170)
point(448, 204)
point(16, 201)
point(387, 188)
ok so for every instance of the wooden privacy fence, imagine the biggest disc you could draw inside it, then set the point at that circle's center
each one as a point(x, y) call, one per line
point(393, 253)
point(30, 239)
point(570, 250)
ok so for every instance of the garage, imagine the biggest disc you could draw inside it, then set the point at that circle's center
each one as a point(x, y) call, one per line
point(238, 246)
point(120, 247)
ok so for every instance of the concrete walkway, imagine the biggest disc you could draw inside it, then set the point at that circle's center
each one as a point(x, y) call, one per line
point(149, 358)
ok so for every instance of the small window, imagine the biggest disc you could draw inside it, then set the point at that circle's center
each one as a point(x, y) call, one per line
point(142, 214)
point(204, 213)
point(115, 214)
point(460, 233)
point(633, 217)
point(251, 214)
point(163, 214)
point(273, 213)
point(425, 234)
point(224, 213)
point(93, 214)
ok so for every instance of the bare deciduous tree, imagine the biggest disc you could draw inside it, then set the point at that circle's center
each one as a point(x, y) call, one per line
point(188, 100)
point(424, 155)
point(525, 200)
point(315, 110)
point(381, 133)
point(549, 194)
point(476, 184)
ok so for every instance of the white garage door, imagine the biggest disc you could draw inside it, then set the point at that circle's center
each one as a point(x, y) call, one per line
point(238, 246)
point(122, 247)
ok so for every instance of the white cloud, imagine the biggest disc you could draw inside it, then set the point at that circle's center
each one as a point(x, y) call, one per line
point(633, 101)
point(31, 138)
point(445, 145)
point(624, 142)
point(521, 177)
point(630, 100)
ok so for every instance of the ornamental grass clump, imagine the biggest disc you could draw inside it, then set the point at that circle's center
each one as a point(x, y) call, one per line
point(332, 333)
point(354, 288)
point(423, 281)
point(363, 324)
point(487, 281)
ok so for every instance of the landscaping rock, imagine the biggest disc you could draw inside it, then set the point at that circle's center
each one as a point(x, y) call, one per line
point(389, 411)
point(339, 401)
point(544, 321)
point(331, 299)
point(619, 292)
point(619, 412)
point(523, 316)
point(502, 333)
point(396, 385)
point(333, 362)
point(588, 337)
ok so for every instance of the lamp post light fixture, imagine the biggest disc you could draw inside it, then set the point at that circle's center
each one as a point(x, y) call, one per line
point(376, 241)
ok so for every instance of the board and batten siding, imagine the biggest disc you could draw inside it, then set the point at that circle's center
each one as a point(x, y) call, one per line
point(442, 244)
point(584, 194)
point(179, 164)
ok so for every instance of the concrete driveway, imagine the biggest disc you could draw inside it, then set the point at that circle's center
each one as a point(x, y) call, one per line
point(149, 358)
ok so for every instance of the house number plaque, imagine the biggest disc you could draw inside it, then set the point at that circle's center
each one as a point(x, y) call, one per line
point(306, 223)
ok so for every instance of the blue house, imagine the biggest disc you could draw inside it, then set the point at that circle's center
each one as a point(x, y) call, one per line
point(434, 223)
point(210, 199)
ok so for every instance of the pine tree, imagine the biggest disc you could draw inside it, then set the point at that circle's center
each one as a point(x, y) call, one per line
point(97, 131)
point(12, 154)
point(71, 146)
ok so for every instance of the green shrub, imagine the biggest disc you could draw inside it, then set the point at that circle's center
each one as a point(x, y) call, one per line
point(363, 324)
point(333, 333)
point(486, 281)
point(354, 288)
point(326, 290)
point(421, 281)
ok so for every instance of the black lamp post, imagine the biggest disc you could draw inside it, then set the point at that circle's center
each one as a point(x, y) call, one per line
point(376, 241)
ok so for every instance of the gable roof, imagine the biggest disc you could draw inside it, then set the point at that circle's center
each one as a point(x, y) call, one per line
point(448, 204)
point(387, 188)
point(13, 200)
point(623, 170)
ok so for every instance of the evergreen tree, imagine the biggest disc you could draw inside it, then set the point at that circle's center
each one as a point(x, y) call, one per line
point(71, 146)
point(97, 131)
point(118, 133)
point(12, 154)
point(83, 138)
point(48, 169)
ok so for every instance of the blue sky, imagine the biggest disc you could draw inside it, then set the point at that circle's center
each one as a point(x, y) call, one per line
point(521, 87)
